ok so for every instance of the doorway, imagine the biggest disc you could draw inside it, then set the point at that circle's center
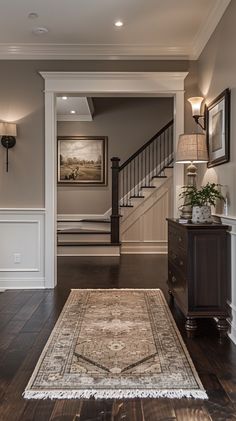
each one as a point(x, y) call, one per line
point(98, 84)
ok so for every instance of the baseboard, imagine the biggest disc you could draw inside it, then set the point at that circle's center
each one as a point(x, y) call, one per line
point(147, 247)
point(21, 283)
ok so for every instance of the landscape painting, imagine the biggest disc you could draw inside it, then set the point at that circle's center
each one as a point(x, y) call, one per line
point(82, 160)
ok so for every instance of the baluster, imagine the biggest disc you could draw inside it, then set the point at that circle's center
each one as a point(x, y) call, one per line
point(123, 184)
point(127, 185)
point(130, 180)
point(149, 165)
point(138, 176)
point(134, 176)
point(145, 165)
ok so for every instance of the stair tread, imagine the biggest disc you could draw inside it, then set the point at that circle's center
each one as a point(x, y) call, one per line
point(148, 187)
point(78, 243)
point(81, 231)
point(106, 221)
point(134, 197)
point(159, 176)
point(126, 206)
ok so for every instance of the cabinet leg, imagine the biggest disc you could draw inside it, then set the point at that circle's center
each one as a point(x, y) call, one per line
point(191, 327)
point(222, 326)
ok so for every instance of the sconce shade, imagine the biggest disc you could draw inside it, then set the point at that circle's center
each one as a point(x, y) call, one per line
point(192, 148)
point(196, 103)
point(7, 129)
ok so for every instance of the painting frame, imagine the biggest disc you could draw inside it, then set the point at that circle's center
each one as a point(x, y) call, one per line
point(74, 172)
point(218, 129)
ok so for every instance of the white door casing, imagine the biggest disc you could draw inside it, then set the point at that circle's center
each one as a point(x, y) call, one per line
point(99, 84)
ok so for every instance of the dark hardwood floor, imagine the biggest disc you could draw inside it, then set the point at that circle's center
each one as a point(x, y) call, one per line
point(27, 318)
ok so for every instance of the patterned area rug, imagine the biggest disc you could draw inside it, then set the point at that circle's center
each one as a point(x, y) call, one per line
point(115, 344)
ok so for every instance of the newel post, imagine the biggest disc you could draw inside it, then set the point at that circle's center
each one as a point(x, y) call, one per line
point(115, 216)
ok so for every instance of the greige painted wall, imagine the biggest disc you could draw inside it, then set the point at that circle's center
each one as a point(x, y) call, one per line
point(216, 72)
point(22, 101)
point(128, 123)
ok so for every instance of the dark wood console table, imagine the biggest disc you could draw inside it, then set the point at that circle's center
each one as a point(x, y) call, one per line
point(197, 272)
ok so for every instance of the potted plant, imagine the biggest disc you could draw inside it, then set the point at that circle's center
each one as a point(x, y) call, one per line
point(201, 201)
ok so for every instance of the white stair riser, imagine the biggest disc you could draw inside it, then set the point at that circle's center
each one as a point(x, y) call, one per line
point(95, 226)
point(85, 238)
point(88, 250)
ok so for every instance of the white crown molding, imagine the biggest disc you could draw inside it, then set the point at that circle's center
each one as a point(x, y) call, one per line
point(91, 52)
point(208, 28)
point(43, 51)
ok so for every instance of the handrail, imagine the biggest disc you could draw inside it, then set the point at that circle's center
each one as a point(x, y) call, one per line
point(135, 154)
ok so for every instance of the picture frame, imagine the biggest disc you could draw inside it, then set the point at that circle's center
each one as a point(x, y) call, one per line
point(218, 129)
point(82, 160)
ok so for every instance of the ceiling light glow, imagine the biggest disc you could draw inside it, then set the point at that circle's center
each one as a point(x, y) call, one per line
point(65, 98)
point(119, 23)
point(72, 112)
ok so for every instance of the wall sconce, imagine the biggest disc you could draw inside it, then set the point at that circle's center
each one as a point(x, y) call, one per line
point(8, 133)
point(196, 103)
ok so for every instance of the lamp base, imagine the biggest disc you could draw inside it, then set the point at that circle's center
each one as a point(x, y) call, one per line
point(186, 210)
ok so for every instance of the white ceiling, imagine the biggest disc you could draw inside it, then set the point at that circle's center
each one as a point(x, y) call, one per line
point(82, 106)
point(85, 28)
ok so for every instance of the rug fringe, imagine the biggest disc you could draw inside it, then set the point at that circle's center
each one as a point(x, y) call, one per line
point(115, 394)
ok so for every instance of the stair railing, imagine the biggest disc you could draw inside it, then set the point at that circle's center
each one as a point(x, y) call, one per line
point(138, 171)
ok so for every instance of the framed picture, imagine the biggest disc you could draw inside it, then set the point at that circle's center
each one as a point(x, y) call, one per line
point(82, 160)
point(218, 129)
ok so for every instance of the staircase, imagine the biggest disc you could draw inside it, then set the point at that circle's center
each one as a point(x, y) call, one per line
point(140, 185)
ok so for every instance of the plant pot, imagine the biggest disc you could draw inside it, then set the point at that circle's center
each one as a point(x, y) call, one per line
point(201, 214)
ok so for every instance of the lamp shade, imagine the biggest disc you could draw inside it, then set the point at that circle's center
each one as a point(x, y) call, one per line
point(7, 129)
point(192, 148)
point(196, 103)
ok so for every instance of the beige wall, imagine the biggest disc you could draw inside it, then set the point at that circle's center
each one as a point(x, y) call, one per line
point(128, 123)
point(216, 72)
point(22, 100)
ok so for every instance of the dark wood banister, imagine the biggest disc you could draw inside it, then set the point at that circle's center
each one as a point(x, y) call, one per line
point(146, 145)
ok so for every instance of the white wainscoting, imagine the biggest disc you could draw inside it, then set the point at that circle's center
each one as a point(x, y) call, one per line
point(22, 239)
point(231, 221)
point(144, 227)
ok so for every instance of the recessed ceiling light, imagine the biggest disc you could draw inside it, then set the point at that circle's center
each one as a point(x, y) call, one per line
point(33, 15)
point(119, 23)
point(64, 97)
point(40, 31)
point(72, 112)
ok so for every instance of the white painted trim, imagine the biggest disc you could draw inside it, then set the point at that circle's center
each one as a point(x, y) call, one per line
point(23, 221)
point(99, 83)
point(231, 221)
point(22, 211)
point(34, 51)
point(81, 117)
point(53, 51)
point(21, 283)
point(208, 28)
point(72, 217)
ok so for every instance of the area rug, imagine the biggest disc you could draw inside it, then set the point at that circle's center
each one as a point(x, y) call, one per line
point(115, 344)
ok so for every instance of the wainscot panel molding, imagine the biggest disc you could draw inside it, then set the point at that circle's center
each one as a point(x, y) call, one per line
point(22, 248)
point(231, 221)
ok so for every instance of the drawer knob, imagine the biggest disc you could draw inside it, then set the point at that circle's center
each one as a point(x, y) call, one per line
point(173, 279)
point(180, 239)
point(181, 263)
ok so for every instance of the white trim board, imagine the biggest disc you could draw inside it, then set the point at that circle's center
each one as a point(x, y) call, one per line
point(99, 84)
point(231, 221)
